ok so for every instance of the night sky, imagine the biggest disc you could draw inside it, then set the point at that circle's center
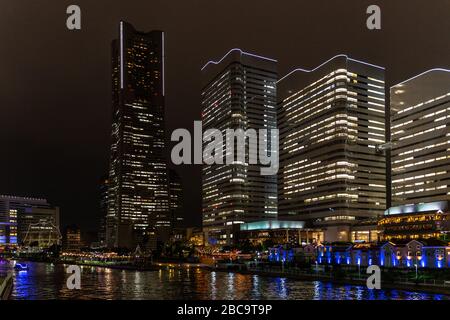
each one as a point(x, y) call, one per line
point(55, 92)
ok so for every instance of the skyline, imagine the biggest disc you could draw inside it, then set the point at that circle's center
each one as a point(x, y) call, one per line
point(73, 146)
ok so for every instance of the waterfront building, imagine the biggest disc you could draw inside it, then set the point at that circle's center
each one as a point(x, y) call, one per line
point(421, 221)
point(306, 253)
point(195, 236)
point(277, 232)
point(138, 177)
point(28, 221)
point(420, 130)
point(332, 132)
point(72, 239)
point(367, 254)
point(239, 92)
point(331, 253)
point(366, 231)
point(282, 254)
point(428, 253)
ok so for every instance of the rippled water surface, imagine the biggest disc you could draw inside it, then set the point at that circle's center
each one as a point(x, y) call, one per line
point(46, 281)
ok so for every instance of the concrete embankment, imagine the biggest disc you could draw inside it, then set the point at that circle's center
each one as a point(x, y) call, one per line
point(6, 285)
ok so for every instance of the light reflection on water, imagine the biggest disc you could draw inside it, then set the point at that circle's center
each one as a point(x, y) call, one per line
point(46, 281)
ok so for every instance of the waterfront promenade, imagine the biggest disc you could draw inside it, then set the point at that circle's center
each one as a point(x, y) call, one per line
point(44, 281)
point(398, 281)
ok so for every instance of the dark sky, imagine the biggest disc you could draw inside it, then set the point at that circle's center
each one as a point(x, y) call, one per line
point(55, 83)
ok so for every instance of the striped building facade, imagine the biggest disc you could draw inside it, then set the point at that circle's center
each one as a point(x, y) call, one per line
point(420, 128)
point(239, 92)
point(332, 124)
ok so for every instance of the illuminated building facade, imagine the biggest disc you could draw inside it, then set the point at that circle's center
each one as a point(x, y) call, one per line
point(430, 253)
point(103, 208)
point(332, 122)
point(28, 221)
point(420, 130)
point(138, 178)
point(72, 239)
point(278, 232)
point(365, 231)
point(239, 92)
point(421, 221)
point(176, 199)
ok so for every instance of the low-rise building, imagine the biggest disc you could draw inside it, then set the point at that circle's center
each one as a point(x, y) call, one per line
point(28, 221)
point(428, 253)
point(278, 232)
point(417, 221)
point(72, 238)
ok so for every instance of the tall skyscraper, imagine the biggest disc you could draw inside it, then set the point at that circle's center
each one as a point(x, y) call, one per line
point(27, 221)
point(420, 128)
point(138, 186)
point(239, 92)
point(176, 199)
point(332, 123)
point(103, 209)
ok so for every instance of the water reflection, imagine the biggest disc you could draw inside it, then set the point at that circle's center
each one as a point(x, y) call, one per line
point(45, 281)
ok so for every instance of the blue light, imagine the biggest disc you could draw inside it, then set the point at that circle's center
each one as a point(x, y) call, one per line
point(423, 263)
point(348, 260)
point(291, 255)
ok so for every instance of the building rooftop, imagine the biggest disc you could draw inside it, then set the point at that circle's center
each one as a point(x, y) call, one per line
point(271, 225)
point(438, 206)
point(329, 60)
point(429, 85)
point(237, 50)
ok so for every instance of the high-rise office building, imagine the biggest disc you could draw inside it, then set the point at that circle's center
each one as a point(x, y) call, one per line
point(420, 129)
point(239, 92)
point(103, 209)
point(176, 199)
point(138, 187)
point(332, 124)
point(28, 221)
